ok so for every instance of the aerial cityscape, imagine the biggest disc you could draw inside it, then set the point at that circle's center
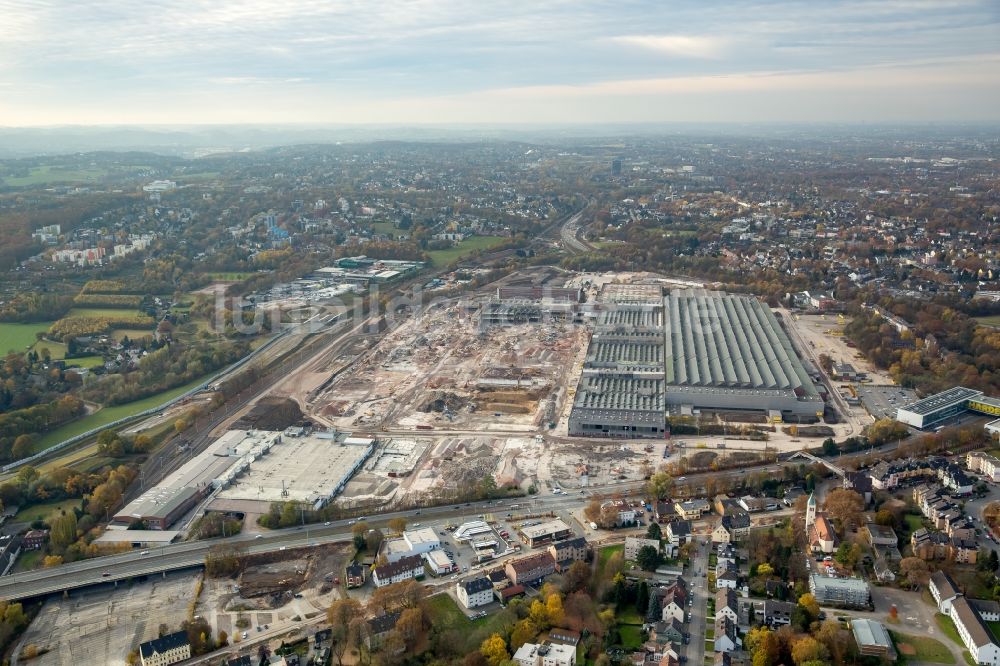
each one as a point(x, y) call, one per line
point(429, 334)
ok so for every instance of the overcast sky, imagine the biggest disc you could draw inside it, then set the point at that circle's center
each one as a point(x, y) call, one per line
point(489, 61)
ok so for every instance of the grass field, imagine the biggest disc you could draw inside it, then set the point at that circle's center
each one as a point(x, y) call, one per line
point(28, 560)
point(947, 626)
point(445, 614)
point(229, 276)
point(605, 553)
point(132, 333)
point(631, 636)
point(86, 361)
point(54, 174)
point(387, 228)
point(18, 337)
point(108, 415)
point(110, 313)
point(628, 615)
point(47, 510)
point(913, 522)
point(440, 258)
point(992, 320)
point(923, 649)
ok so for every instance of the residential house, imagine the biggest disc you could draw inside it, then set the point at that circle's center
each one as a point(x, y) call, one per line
point(673, 601)
point(732, 528)
point(963, 551)
point(168, 649)
point(668, 631)
point(474, 593)
point(776, 613)
point(34, 539)
point(634, 544)
point(411, 566)
point(663, 511)
point(929, 545)
point(355, 575)
point(531, 569)
point(379, 627)
point(985, 464)
point(974, 633)
point(944, 590)
point(728, 578)
point(566, 552)
point(625, 512)
point(726, 635)
point(692, 509)
point(726, 603)
point(678, 532)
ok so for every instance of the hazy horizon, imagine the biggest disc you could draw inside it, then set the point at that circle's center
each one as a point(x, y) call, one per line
point(443, 62)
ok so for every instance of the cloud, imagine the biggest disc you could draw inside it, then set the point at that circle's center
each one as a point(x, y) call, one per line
point(685, 46)
point(75, 61)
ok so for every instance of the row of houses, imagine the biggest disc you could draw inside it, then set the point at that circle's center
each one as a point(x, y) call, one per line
point(953, 536)
point(887, 475)
point(970, 617)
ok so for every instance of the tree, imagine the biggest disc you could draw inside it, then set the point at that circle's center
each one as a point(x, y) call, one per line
point(593, 510)
point(763, 645)
point(373, 540)
point(52, 561)
point(648, 558)
point(495, 650)
point(654, 532)
point(524, 632)
point(914, 570)
point(397, 525)
point(63, 531)
point(765, 569)
point(642, 598)
point(809, 604)
point(339, 616)
point(807, 649)
point(576, 578)
point(538, 614)
point(660, 485)
point(223, 638)
point(410, 627)
point(554, 609)
point(845, 506)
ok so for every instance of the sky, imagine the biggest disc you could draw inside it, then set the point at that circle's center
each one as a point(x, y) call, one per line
point(65, 62)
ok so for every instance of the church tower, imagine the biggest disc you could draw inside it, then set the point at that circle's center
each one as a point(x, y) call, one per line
point(810, 512)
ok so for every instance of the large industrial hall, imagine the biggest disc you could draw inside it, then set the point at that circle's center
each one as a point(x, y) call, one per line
point(654, 355)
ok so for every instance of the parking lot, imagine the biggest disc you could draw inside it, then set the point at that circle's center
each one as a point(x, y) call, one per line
point(882, 400)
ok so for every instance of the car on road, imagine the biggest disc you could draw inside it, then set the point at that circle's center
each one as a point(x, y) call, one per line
point(106, 574)
point(245, 634)
point(143, 553)
point(327, 523)
point(259, 536)
point(282, 548)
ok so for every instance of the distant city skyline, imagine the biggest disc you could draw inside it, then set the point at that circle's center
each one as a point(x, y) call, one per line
point(447, 61)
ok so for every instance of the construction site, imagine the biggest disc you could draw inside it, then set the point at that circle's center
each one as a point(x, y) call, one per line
point(516, 381)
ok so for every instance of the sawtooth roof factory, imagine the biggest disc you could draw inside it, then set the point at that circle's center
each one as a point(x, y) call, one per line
point(652, 355)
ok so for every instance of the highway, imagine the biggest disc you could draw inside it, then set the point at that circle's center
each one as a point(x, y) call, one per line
point(191, 554)
point(570, 235)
